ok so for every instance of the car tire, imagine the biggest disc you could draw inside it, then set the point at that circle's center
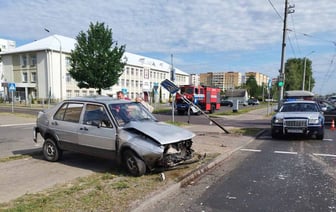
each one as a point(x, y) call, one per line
point(51, 152)
point(320, 136)
point(180, 112)
point(212, 109)
point(275, 135)
point(134, 165)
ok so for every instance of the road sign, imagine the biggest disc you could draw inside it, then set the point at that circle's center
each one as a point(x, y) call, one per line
point(170, 86)
point(11, 87)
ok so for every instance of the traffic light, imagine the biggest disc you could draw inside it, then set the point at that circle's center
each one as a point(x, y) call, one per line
point(280, 83)
point(281, 80)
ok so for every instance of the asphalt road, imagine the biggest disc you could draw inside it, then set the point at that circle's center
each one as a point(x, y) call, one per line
point(267, 175)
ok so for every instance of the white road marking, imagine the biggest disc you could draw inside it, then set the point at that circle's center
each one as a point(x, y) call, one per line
point(13, 125)
point(324, 155)
point(284, 152)
point(328, 139)
point(251, 150)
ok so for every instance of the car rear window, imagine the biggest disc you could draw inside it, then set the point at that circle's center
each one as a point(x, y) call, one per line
point(69, 112)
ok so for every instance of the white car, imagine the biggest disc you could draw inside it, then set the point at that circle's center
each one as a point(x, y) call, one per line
point(298, 117)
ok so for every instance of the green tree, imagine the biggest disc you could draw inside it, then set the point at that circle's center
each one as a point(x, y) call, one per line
point(96, 61)
point(294, 69)
point(252, 86)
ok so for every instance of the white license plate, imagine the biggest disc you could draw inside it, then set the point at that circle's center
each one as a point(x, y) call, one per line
point(294, 130)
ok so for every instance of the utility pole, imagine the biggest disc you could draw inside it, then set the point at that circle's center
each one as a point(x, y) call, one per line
point(172, 78)
point(288, 9)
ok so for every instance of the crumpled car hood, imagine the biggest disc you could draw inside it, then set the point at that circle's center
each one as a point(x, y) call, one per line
point(160, 131)
point(309, 115)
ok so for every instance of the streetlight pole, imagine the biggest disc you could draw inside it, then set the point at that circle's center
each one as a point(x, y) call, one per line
point(304, 70)
point(61, 74)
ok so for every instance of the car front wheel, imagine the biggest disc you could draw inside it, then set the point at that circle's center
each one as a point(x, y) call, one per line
point(50, 150)
point(134, 165)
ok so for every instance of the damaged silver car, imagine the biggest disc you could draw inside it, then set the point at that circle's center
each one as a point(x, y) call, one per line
point(115, 129)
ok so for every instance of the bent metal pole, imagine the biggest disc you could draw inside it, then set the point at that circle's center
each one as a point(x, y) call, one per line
point(206, 115)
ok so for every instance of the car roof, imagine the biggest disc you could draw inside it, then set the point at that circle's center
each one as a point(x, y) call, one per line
point(98, 99)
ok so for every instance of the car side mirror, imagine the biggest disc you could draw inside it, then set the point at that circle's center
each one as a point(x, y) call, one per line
point(324, 109)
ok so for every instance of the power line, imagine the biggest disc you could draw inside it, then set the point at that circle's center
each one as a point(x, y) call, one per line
point(269, 1)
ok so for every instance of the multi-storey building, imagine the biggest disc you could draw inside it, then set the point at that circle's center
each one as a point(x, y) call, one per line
point(194, 79)
point(40, 70)
point(261, 79)
point(206, 78)
point(232, 80)
point(218, 80)
point(5, 45)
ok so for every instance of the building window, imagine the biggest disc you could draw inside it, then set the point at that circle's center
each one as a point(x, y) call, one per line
point(91, 93)
point(67, 62)
point(68, 77)
point(68, 92)
point(132, 83)
point(23, 60)
point(24, 77)
point(33, 77)
point(127, 83)
point(76, 92)
point(122, 82)
point(84, 93)
point(32, 60)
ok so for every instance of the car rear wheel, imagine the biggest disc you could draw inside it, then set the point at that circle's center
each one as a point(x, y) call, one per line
point(134, 165)
point(50, 150)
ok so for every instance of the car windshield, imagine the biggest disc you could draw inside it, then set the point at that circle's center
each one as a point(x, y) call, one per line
point(132, 111)
point(299, 107)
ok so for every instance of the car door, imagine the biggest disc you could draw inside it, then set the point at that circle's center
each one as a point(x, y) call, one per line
point(96, 129)
point(65, 123)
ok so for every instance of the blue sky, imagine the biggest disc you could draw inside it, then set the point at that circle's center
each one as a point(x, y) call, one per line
point(203, 35)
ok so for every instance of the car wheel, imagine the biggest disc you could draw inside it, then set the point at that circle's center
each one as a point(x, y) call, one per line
point(50, 150)
point(212, 109)
point(320, 136)
point(275, 135)
point(180, 112)
point(134, 165)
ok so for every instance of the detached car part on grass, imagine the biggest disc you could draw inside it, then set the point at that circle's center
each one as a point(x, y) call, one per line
point(115, 129)
point(298, 118)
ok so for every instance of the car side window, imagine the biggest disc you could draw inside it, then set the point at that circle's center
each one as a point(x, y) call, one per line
point(69, 112)
point(96, 115)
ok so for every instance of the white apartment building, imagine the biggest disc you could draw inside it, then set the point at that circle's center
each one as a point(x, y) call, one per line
point(40, 71)
point(5, 45)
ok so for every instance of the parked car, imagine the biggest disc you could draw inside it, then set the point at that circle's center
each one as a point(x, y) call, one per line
point(226, 102)
point(329, 112)
point(114, 129)
point(253, 102)
point(244, 103)
point(298, 117)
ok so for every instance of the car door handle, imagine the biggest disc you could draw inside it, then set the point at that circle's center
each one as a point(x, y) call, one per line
point(54, 123)
point(84, 128)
